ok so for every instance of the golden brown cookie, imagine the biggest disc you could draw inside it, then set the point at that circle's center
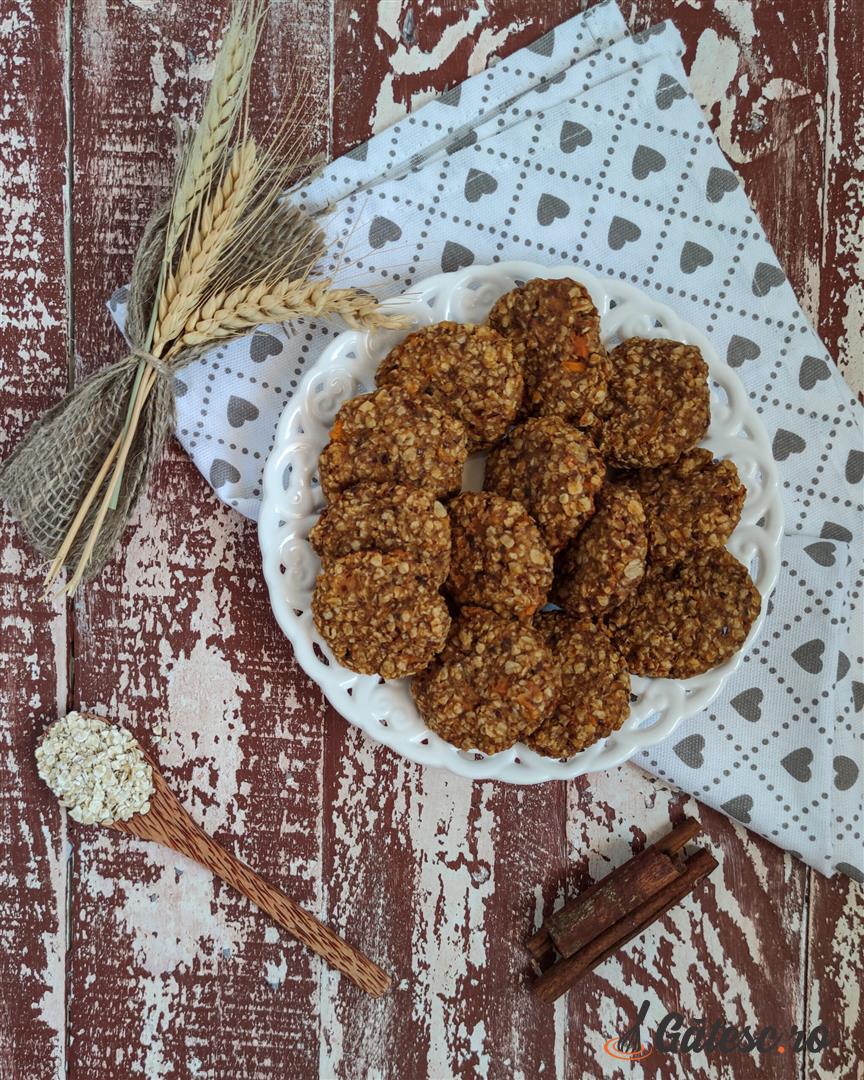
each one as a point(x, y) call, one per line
point(498, 558)
point(595, 687)
point(391, 436)
point(686, 618)
point(691, 505)
point(553, 470)
point(380, 614)
point(468, 371)
point(554, 328)
point(385, 517)
point(493, 684)
point(658, 403)
point(606, 561)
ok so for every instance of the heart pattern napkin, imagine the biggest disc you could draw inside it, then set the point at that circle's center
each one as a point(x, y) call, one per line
point(587, 147)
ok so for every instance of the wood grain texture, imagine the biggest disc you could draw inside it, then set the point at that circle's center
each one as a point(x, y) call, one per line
point(33, 633)
point(168, 822)
point(170, 975)
point(178, 628)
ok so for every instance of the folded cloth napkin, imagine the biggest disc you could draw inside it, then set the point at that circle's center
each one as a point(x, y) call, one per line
point(587, 147)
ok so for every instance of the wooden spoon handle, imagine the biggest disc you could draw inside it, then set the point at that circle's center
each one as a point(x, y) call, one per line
point(296, 920)
point(167, 822)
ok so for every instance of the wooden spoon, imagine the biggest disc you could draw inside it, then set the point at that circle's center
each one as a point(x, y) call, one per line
point(168, 823)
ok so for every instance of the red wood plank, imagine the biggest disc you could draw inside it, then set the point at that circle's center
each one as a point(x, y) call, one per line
point(33, 374)
point(841, 294)
point(835, 977)
point(170, 974)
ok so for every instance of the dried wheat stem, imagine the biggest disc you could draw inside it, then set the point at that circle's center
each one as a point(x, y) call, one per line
point(215, 230)
point(78, 521)
point(224, 101)
point(245, 307)
point(144, 388)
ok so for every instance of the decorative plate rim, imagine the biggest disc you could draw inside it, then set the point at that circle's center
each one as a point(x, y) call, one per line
point(291, 500)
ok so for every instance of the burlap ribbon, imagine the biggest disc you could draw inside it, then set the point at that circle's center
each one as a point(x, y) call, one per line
point(45, 479)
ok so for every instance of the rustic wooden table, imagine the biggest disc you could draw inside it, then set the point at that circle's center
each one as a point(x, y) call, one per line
point(117, 960)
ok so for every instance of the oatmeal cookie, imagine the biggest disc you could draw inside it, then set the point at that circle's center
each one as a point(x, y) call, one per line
point(687, 617)
point(385, 517)
point(468, 371)
point(606, 561)
point(691, 505)
point(493, 684)
point(380, 614)
point(498, 559)
point(658, 403)
point(553, 470)
point(595, 687)
point(555, 331)
point(390, 436)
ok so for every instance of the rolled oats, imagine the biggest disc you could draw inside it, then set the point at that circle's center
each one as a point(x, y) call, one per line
point(658, 403)
point(391, 437)
point(686, 617)
point(385, 517)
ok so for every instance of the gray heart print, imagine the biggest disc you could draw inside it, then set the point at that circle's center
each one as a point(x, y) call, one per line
point(766, 278)
point(689, 750)
point(462, 142)
point(798, 763)
point(223, 472)
point(550, 208)
point(240, 410)
point(845, 772)
point(786, 443)
point(621, 231)
point(813, 370)
point(720, 181)
point(741, 349)
point(855, 466)
point(262, 346)
point(544, 45)
point(694, 257)
point(647, 160)
point(822, 552)
point(455, 256)
point(809, 656)
point(572, 135)
point(478, 184)
point(668, 91)
point(382, 231)
point(739, 808)
point(749, 704)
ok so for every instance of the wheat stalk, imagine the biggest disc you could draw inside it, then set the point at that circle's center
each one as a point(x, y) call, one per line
point(216, 228)
point(248, 306)
point(224, 101)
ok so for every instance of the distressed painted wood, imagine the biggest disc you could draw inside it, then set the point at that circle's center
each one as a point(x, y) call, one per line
point(178, 629)
point(170, 975)
point(33, 632)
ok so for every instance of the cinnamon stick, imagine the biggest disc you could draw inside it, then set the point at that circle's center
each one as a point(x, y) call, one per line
point(606, 901)
point(563, 975)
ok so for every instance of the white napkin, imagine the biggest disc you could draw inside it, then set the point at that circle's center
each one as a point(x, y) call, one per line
point(588, 147)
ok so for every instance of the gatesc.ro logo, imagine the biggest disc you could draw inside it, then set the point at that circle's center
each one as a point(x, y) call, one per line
point(677, 1035)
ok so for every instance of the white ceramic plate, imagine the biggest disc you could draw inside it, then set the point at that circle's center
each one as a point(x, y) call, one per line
point(292, 500)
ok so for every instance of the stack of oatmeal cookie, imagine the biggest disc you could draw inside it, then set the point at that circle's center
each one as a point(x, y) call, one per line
point(595, 497)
